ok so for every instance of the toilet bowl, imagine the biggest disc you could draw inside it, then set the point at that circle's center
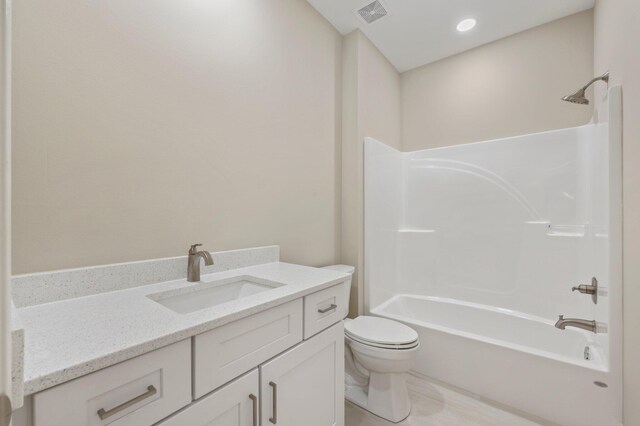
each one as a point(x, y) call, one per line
point(378, 353)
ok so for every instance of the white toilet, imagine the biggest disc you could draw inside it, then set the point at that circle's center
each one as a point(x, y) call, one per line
point(378, 353)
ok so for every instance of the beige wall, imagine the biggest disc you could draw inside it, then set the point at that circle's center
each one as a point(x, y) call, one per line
point(371, 107)
point(617, 37)
point(141, 127)
point(509, 87)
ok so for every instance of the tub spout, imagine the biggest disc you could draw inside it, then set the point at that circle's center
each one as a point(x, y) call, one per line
point(575, 322)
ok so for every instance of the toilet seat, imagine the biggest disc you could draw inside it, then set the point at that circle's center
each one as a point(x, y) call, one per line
point(381, 333)
point(383, 346)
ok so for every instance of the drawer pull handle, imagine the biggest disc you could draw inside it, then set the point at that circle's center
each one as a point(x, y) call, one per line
point(274, 419)
point(254, 401)
point(330, 308)
point(151, 390)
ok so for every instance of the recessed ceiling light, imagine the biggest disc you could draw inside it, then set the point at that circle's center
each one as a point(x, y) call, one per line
point(466, 25)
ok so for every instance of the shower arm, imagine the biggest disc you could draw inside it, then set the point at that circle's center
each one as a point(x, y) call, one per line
point(604, 77)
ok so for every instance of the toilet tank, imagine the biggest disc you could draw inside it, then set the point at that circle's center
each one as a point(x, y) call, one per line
point(347, 269)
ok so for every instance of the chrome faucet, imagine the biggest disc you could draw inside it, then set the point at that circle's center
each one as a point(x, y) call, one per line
point(193, 262)
point(575, 322)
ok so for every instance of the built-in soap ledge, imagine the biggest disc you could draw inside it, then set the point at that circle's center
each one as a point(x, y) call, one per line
point(572, 231)
point(566, 230)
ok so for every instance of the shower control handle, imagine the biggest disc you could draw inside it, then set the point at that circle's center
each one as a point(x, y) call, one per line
point(584, 289)
point(591, 289)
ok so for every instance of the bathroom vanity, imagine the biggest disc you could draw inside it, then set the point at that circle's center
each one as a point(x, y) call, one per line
point(254, 345)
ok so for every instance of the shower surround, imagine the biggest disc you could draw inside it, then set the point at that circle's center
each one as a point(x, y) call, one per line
point(478, 246)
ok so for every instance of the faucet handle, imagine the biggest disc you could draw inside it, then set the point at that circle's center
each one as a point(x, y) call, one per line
point(591, 289)
point(194, 248)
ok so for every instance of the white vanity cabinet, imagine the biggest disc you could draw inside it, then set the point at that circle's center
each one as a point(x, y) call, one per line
point(302, 387)
point(255, 371)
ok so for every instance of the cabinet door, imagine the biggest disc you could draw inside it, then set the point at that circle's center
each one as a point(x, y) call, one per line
point(305, 385)
point(235, 404)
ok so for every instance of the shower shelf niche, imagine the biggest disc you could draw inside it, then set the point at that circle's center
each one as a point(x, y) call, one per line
point(566, 230)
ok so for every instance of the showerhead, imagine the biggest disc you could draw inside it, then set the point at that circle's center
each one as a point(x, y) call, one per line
point(579, 96)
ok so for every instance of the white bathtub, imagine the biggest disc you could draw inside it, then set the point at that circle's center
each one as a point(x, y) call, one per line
point(513, 358)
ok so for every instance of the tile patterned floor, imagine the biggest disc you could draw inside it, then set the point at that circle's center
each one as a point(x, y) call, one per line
point(438, 405)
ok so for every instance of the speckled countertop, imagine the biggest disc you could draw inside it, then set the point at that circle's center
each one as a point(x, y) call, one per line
point(70, 338)
point(17, 357)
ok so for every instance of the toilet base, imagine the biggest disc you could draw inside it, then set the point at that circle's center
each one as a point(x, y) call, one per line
point(385, 396)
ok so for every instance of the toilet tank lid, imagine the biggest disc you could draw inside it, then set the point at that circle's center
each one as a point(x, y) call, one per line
point(341, 268)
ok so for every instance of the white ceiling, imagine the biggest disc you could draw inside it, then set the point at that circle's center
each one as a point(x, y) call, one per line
point(417, 32)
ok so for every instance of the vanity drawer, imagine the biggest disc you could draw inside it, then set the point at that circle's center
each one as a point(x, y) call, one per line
point(325, 308)
point(228, 351)
point(140, 391)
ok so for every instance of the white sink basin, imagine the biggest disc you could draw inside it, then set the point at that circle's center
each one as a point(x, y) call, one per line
point(207, 294)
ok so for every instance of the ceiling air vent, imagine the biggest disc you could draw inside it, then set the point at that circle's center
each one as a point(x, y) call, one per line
point(372, 12)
